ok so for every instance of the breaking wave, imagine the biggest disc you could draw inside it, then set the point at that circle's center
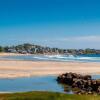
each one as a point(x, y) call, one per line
point(82, 58)
point(68, 58)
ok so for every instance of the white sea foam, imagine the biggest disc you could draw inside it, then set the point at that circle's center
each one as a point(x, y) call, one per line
point(40, 57)
point(81, 58)
point(67, 58)
point(89, 58)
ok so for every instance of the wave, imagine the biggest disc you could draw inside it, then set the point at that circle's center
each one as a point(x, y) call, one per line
point(64, 58)
point(40, 58)
point(67, 58)
point(60, 56)
point(89, 58)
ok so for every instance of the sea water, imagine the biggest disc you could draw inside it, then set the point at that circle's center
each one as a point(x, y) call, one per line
point(43, 83)
point(63, 58)
point(39, 83)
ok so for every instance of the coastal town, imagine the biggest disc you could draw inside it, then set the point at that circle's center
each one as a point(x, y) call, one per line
point(49, 50)
point(37, 49)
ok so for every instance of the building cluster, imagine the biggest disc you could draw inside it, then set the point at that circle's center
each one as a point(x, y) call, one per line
point(36, 49)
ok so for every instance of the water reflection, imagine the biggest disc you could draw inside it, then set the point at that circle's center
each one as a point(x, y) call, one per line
point(44, 83)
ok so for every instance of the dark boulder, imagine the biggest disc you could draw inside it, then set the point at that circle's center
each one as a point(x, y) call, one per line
point(84, 83)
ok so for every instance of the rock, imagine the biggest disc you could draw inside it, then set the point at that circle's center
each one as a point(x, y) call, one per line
point(85, 83)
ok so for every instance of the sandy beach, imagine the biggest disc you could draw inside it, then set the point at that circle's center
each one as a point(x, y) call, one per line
point(11, 69)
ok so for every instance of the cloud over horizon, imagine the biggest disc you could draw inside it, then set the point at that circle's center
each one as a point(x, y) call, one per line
point(91, 41)
point(91, 38)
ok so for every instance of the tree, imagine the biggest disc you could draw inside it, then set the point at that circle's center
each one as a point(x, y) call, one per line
point(1, 49)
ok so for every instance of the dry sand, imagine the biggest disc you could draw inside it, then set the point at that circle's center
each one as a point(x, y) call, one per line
point(11, 69)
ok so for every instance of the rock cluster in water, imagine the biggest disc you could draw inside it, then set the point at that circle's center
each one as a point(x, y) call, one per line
point(84, 83)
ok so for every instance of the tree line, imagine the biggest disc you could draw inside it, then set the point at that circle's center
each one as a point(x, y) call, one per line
point(37, 49)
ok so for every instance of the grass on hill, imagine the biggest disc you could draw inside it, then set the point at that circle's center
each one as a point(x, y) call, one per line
point(46, 96)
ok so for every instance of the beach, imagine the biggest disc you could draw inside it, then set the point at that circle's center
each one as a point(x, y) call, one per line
point(16, 68)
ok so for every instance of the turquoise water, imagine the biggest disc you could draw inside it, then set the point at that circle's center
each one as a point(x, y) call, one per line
point(95, 76)
point(64, 58)
point(43, 83)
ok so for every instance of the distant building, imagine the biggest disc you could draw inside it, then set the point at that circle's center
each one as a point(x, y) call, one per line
point(12, 51)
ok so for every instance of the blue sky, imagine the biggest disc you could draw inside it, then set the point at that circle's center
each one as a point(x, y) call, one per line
point(54, 23)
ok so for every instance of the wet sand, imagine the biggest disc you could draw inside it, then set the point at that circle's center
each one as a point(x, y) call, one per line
point(12, 69)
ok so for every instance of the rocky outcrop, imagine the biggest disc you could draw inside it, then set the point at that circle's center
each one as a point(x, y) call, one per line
point(84, 83)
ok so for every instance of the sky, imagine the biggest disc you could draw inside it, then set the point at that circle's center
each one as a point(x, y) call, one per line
point(54, 23)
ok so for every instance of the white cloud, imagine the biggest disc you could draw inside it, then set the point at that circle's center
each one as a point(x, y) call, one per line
point(80, 39)
point(91, 41)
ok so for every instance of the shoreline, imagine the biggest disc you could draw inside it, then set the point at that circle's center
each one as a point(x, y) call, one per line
point(18, 68)
point(18, 54)
point(14, 69)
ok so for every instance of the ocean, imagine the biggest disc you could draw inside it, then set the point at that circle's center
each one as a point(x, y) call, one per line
point(43, 83)
point(62, 58)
